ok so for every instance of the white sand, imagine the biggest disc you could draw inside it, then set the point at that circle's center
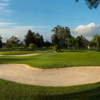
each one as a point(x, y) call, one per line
point(24, 74)
point(23, 54)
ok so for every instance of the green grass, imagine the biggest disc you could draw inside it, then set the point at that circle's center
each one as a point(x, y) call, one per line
point(17, 52)
point(57, 60)
point(15, 91)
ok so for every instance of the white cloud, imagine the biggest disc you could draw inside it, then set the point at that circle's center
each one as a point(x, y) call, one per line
point(29, 27)
point(4, 11)
point(3, 24)
point(4, 4)
point(5, 0)
point(19, 31)
point(88, 30)
point(2, 19)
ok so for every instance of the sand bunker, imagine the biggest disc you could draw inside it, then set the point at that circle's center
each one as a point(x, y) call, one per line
point(24, 74)
point(33, 54)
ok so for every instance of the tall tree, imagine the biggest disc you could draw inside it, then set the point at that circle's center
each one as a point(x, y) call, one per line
point(41, 40)
point(62, 34)
point(0, 42)
point(29, 38)
point(91, 3)
point(35, 38)
point(96, 39)
point(55, 40)
point(79, 42)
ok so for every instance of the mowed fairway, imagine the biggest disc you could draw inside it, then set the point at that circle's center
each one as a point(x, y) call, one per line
point(56, 60)
point(15, 91)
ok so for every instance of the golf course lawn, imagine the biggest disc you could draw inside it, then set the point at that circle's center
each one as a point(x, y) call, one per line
point(17, 52)
point(15, 91)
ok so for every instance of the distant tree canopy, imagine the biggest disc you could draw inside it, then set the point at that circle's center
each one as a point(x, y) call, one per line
point(0, 42)
point(91, 3)
point(13, 41)
point(32, 37)
point(60, 35)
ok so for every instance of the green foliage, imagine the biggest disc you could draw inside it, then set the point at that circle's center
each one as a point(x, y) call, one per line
point(47, 44)
point(91, 3)
point(72, 42)
point(55, 40)
point(56, 48)
point(13, 41)
point(32, 46)
point(60, 35)
point(96, 39)
point(0, 42)
point(79, 41)
point(9, 46)
point(32, 37)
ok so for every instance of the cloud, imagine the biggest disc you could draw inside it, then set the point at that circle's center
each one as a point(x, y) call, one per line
point(19, 31)
point(4, 4)
point(9, 25)
point(3, 24)
point(86, 30)
point(5, 0)
point(2, 19)
point(5, 10)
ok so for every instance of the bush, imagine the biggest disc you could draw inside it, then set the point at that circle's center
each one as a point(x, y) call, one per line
point(32, 46)
point(56, 48)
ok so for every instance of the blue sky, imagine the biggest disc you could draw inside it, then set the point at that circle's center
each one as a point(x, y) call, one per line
point(19, 16)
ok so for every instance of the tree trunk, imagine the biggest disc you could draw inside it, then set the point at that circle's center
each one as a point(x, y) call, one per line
point(73, 48)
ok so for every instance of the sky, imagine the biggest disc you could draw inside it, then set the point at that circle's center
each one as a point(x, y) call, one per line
point(19, 16)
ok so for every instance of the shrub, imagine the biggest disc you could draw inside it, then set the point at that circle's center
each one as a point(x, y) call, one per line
point(32, 46)
point(56, 48)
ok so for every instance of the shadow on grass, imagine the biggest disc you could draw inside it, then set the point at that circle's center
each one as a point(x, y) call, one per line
point(93, 94)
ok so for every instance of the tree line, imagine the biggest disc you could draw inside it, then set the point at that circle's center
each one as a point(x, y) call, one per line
point(61, 37)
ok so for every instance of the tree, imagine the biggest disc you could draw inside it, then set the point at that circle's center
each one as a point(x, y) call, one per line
point(55, 40)
point(9, 46)
point(72, 41)
point(41, 41)
point(91, 3)
point(14, 41)
point(68, 42)
point(35, 38)
point(62, 33)
point(29, 38)
point(47, 44)
point(79, 42)
point(96, 39)
point(0, 42)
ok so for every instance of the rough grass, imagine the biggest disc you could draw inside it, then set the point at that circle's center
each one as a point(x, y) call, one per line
point(15, 91)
